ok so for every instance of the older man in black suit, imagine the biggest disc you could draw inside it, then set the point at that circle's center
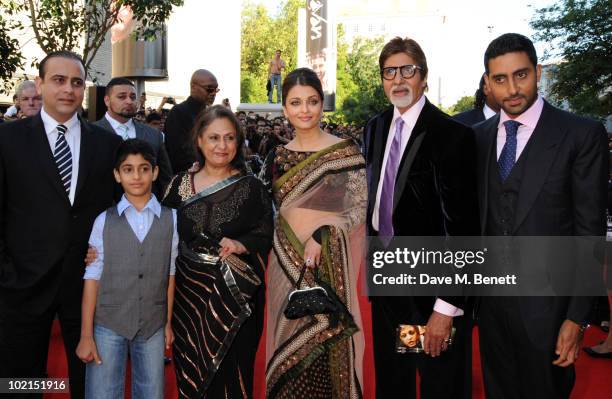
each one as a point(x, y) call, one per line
point(121, 104)
point(542, 172)
point(421, 168)
point(56, 177)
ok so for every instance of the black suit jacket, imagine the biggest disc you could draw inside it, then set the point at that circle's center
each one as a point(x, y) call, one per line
point(178, 128)
point(43, 239)
point(470, 117)
point(437, 195)
point(156, 139)
point(562, 193)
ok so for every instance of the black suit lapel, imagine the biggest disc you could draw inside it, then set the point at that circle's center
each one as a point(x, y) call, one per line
point(40, 143)
point(86, 156)
point(488, 148)
point(481, 115)
point(416, 137)
point(544, 144)
point(381, 131)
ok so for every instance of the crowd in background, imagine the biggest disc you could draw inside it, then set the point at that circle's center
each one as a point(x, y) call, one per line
point(263, 132)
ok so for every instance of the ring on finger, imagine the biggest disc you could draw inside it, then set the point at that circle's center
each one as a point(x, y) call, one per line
point(309, 262)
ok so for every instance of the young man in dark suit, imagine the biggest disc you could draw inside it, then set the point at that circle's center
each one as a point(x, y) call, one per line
point(121, 104)
point(485, 107)
point(542, 172)
point(435, 195)
point(56, 177)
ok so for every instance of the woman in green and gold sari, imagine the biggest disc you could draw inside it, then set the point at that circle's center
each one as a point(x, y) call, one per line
point(319, 187)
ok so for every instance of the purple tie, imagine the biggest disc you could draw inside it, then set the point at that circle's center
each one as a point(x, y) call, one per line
point(385, 208)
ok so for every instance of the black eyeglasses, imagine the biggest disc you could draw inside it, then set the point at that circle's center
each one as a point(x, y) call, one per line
point(407, 71)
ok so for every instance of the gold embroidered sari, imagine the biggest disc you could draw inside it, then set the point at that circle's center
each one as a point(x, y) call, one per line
point(311, 357)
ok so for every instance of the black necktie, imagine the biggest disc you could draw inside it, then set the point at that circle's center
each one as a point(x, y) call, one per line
point(507, 158)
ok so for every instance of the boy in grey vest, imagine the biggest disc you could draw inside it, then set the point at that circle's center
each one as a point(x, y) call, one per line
point(129, 288)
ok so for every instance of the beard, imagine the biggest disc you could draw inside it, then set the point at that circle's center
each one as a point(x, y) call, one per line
point(401, 102)
point(127, 114)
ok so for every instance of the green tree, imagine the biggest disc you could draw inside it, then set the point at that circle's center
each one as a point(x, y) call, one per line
point(81, 26)
point(359, 93)
point(580, 32)
point(10, 56)
point(262, 35)
point(465, 103)
point(345, 86)
point(366, 97)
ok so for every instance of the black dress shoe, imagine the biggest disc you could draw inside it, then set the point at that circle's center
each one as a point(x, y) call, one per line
point(599, 355)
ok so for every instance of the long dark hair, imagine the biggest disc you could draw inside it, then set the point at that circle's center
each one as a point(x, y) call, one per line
point(208, 116)
point(479, 96)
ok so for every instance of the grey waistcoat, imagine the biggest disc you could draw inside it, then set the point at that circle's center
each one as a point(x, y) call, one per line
point(132, 294)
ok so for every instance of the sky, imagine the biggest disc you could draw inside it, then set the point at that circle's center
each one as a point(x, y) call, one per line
point(454, 50)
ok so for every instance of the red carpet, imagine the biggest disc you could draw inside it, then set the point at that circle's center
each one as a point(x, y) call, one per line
point(593, 375)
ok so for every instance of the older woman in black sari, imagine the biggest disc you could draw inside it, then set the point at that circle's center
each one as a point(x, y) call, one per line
point(225, 227)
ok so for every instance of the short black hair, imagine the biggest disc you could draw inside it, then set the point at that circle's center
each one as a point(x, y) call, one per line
point(60, 54)
point(510, 43)
point(153, 116)
point(120, 81)
point(302, 77)
point(134, 147)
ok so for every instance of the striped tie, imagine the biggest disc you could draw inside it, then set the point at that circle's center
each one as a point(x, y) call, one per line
point(63, 158)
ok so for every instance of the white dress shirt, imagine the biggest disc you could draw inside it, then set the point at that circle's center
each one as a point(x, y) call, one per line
point(140, 223)
point(488, 112)
point(410, 118)
point(73, 138)
point(131, 128)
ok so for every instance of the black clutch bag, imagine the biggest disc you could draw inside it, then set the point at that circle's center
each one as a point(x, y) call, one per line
point(310, 301)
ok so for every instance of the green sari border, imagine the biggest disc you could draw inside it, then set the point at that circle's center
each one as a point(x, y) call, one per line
point(311, 158)
point(293, 240)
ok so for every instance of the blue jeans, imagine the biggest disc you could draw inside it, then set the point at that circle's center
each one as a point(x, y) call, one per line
point(107, 380)
point(275, 81)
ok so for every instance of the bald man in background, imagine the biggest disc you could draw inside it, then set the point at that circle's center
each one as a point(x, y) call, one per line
point(180, 120)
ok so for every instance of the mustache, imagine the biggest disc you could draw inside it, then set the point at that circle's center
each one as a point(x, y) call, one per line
point(127, 114)
point(516, 97)
point(400, 87)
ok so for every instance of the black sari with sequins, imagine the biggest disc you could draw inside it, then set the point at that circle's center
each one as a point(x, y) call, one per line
point(215, 358)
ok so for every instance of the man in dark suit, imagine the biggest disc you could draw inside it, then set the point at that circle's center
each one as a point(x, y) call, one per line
point(422, 182)
point(121, 104)
point(542, 172)
point(180, 120)
point(485, 107)
point(56, 177)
